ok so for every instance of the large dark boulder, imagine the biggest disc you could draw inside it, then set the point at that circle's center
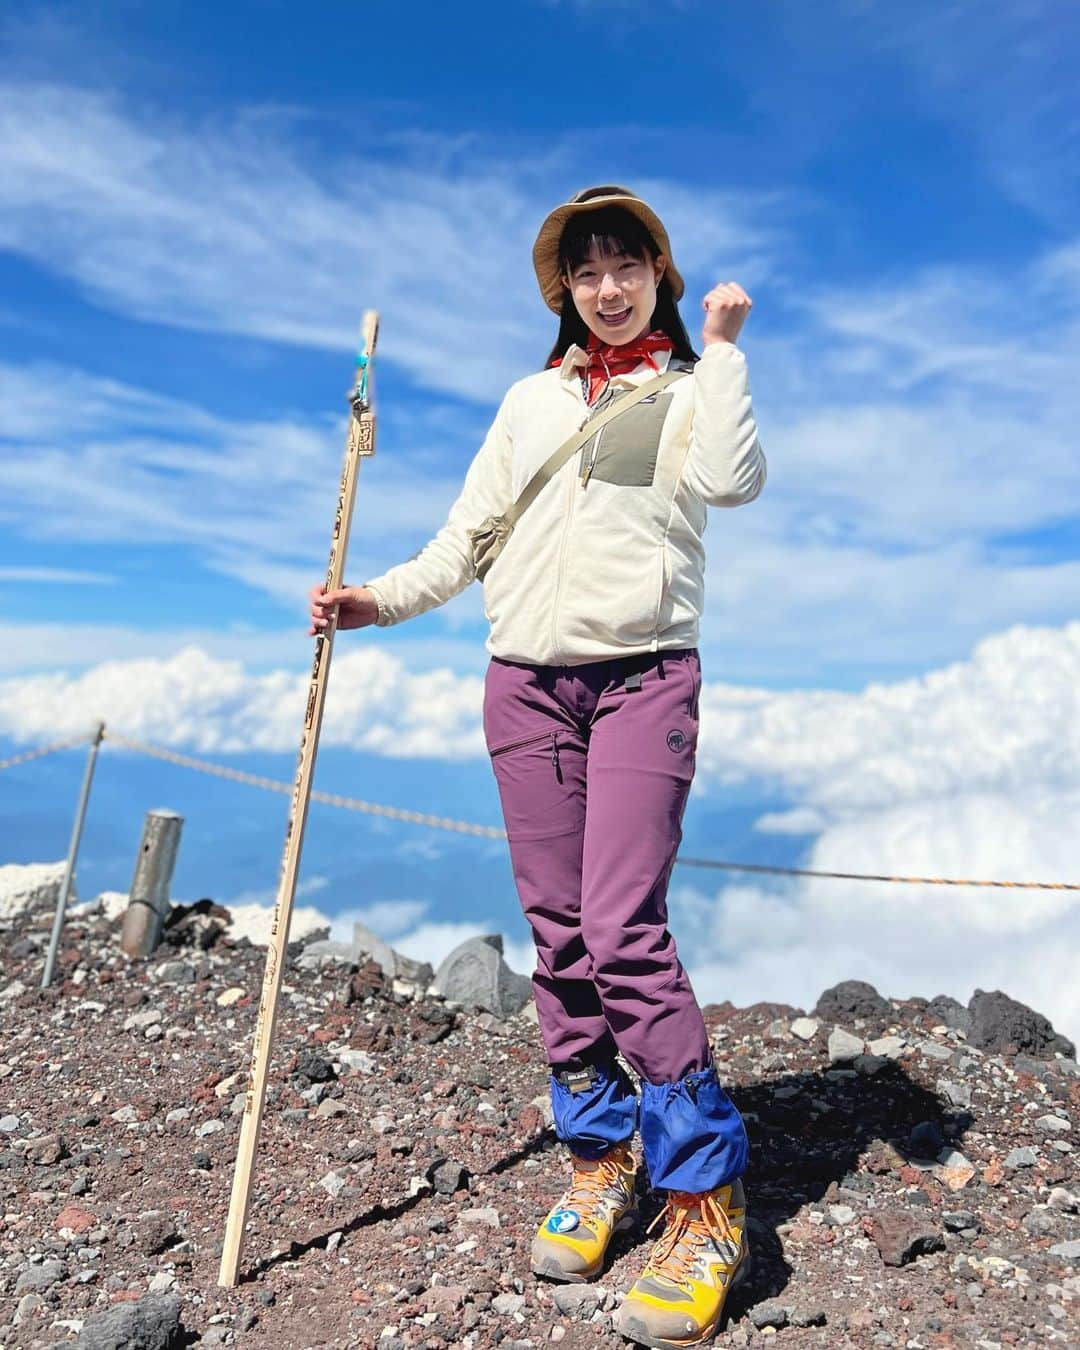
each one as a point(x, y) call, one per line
point(151, 1323)
point(950, 1013)
point(1001, 1025)
point(853, 999)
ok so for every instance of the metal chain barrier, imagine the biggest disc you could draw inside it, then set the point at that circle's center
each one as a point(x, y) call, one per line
point(493, 832)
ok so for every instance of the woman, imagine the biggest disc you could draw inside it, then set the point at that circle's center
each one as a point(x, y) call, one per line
point(591, 719)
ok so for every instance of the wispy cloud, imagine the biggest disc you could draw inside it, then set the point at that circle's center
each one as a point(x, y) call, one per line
point(1024, 117)
point(252, 500)
point(56, 576)
point(920, 430)
point(241, 229)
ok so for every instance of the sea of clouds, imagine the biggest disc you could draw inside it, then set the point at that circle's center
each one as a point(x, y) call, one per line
point(970, 771)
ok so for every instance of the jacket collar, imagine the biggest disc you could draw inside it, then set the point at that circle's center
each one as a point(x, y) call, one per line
point(577, 358)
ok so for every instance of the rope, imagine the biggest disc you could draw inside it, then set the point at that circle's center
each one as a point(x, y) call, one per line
point(44, 750)
point(329, 798)
point(491, 832)
point(870, 876)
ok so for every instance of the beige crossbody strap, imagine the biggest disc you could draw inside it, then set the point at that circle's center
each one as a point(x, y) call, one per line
point(569, 449)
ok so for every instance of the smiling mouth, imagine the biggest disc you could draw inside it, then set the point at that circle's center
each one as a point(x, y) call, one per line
point(617, 317)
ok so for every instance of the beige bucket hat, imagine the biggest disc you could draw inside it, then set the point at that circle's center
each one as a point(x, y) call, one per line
point(546, 248)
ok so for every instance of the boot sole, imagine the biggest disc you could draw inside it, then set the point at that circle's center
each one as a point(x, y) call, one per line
point(635, 1330)
point(549, 1269)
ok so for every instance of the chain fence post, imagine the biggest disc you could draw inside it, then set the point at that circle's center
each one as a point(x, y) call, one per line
point(73, 853)
point(148, 903)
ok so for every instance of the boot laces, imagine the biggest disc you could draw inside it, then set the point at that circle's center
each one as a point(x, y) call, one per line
point(586, 1193)
point(685, 1233)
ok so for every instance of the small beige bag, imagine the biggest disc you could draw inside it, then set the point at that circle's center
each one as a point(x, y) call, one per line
point(489, 539)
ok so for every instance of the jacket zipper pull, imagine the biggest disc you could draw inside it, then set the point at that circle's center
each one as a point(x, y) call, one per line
point(555, 751)
point(586, 472)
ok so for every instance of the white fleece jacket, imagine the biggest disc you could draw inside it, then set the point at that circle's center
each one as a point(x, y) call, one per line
point(609, 567)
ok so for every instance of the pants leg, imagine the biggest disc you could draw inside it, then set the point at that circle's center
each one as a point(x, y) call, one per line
point(538, 756)
point(538, 753)
point(640, 766)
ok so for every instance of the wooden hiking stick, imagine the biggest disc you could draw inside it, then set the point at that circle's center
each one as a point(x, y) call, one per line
point(359, 443)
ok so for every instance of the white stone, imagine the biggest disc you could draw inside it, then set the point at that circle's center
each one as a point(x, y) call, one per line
point(356, 1061)
point(889, 1047)
point(843, 1046)
point(1054, 1124)
point(805, 1028)
point(228, 997)
point(508, 1304)
point(486, 1216)
point(333, 1184)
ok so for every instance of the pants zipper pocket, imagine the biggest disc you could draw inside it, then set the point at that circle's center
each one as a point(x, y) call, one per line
point(553, 736)
point(519, 745)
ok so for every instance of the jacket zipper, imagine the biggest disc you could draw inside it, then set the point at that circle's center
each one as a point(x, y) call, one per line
point(655, 644)
point(562, 561)
point(590, 463)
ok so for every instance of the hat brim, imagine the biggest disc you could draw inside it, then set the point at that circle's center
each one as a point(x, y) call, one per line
point(546, 249)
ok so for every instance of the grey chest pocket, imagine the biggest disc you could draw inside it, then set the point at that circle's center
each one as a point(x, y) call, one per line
point(624, 452)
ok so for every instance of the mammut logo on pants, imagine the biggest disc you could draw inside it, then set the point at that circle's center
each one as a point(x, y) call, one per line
point(675, 741)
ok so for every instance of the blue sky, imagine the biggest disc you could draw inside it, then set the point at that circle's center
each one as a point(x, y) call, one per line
point(197, 205)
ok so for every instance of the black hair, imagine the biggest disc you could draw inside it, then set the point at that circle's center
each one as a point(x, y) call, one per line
point(613, 230)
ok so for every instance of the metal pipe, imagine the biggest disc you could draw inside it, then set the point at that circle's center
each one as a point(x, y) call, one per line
point(73, 853)
point(148, 903)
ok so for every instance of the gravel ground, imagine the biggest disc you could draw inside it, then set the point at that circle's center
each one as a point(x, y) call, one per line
point(913, 1178)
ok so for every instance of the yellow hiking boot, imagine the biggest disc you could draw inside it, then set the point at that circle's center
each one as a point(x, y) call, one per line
point(679, 1299)
point(571, 1242)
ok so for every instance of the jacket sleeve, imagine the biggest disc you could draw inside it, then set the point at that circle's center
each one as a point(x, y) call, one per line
point(445, 566)
point(725, 465)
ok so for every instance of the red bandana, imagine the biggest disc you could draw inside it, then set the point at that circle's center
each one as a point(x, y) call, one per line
point(606, 361)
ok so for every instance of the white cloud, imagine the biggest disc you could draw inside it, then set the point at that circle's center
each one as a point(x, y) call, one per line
point(214, 706)
point(1006, 718)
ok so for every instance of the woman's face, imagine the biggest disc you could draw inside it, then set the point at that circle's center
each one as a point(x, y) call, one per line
point(615, 294)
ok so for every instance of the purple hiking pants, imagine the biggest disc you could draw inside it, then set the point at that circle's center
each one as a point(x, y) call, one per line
point(594, 764)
